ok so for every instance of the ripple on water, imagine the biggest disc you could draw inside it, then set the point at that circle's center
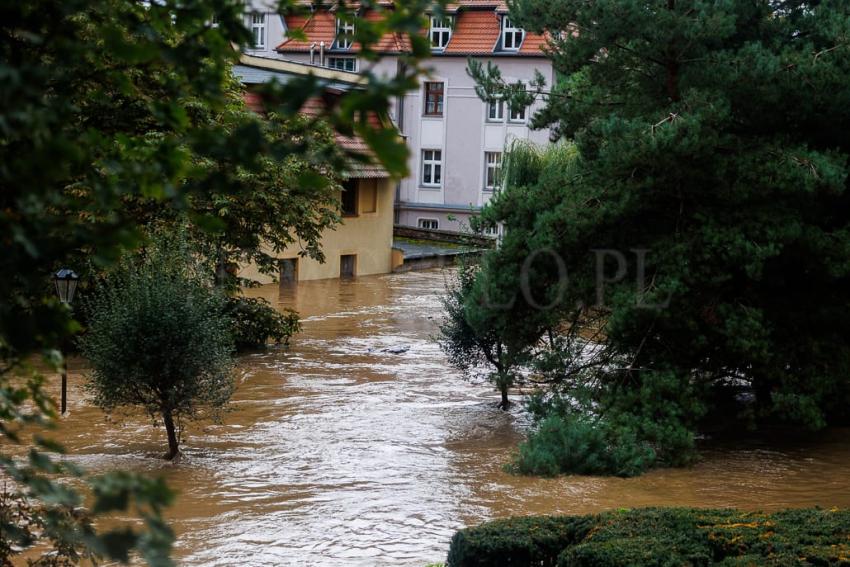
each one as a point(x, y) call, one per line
point(340, 452)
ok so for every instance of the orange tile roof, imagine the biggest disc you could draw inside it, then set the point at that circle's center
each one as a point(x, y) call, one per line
point(314, 107)
point(476, 32)
point(321, 26)
point(318, 27)
point(499, 5)
point(533, 44)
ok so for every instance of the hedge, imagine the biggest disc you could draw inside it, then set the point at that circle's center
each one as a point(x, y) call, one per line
point(658, 537)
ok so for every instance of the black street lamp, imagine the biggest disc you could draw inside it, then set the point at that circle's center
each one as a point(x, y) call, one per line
point(66, 284)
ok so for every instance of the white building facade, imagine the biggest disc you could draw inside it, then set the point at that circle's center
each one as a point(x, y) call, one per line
point(456, 140)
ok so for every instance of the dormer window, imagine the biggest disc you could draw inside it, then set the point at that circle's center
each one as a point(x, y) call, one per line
point(441, 32)
point(344, 34)
point(258, 30)
point(511, 36)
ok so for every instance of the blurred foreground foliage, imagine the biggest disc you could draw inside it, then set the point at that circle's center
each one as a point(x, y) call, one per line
point(116, 117)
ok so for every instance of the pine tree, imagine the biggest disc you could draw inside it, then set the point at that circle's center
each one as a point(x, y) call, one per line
point(710, 181)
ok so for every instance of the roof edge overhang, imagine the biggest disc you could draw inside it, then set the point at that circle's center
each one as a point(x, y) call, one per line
point(297, 68)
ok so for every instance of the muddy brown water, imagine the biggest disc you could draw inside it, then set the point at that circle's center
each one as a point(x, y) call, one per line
point(358, 445)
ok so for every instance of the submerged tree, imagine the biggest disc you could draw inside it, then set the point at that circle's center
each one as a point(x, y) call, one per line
point(157, 339)
point(468, 343)
point(706, 214)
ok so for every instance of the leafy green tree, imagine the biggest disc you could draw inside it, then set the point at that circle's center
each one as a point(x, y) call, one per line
point(106, 103)
point(705, 214)
point(157, 339)
point(470, 343)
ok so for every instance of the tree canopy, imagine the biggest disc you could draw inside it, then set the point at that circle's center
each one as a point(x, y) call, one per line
point(157, 339)
point(107, 106)
point(699, 227)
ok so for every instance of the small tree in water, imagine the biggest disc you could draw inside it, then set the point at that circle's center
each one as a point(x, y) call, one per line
point(157, 339)
point(468, 342)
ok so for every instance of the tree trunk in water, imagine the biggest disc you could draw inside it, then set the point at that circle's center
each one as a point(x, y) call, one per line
point(173, 448)
point(505, 404)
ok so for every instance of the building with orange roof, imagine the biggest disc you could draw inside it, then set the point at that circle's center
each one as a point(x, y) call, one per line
point(456, 140)
point(362, 243)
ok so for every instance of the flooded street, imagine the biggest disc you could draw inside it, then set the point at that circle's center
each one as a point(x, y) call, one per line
point(358, 445)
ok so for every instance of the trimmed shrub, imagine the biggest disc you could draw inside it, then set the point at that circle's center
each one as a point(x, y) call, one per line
point(534, 540)
point(254, 322)
point(658, 537)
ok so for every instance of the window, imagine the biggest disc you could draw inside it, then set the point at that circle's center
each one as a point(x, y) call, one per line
point(491, 231)
point(492, 170)
point(441, 32)
point(348, 265)
point(495, 111)
point(432, 167)
point(433, 99)
point(430, 224)
point(343, 63)
point(511, 36)
point(344, 34)
point(349, 198)
point(517, 114)
point(258, 30)
point(288, 271)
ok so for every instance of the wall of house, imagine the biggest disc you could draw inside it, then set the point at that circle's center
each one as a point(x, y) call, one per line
point(368, 235)
point(275, 27)
point(464, 135)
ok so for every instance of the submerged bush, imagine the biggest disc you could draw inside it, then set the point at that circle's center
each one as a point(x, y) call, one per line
point(658, 536)
point(621, 431)
point(575, 444)
point(254, 322)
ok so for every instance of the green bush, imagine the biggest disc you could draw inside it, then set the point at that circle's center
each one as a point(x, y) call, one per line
point(517, 541)
point(648, 424)
point(575, 444)
point(254, 322)
point(658, 537)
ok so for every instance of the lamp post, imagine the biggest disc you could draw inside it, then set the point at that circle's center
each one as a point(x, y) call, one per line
point(66, 284)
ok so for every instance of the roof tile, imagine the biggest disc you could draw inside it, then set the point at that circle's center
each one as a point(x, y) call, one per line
point(314, 107)
point(476, 31)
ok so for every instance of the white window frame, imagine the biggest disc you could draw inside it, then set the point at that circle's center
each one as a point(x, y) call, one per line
point(344, 34)
point(442, 29)
point(516, 35)
point(426, 220)
point(517, 116)
point(432, 164)
point(334, 63)
point(258, 30)
point(492, 162)
point(496, 111)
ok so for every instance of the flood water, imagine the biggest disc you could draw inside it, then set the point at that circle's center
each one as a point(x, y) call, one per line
point(358, 445)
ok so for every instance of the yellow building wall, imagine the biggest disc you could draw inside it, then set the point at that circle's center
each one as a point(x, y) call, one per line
point(368, 236)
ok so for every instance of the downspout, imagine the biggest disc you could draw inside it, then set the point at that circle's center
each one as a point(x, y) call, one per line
point(401, 68)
